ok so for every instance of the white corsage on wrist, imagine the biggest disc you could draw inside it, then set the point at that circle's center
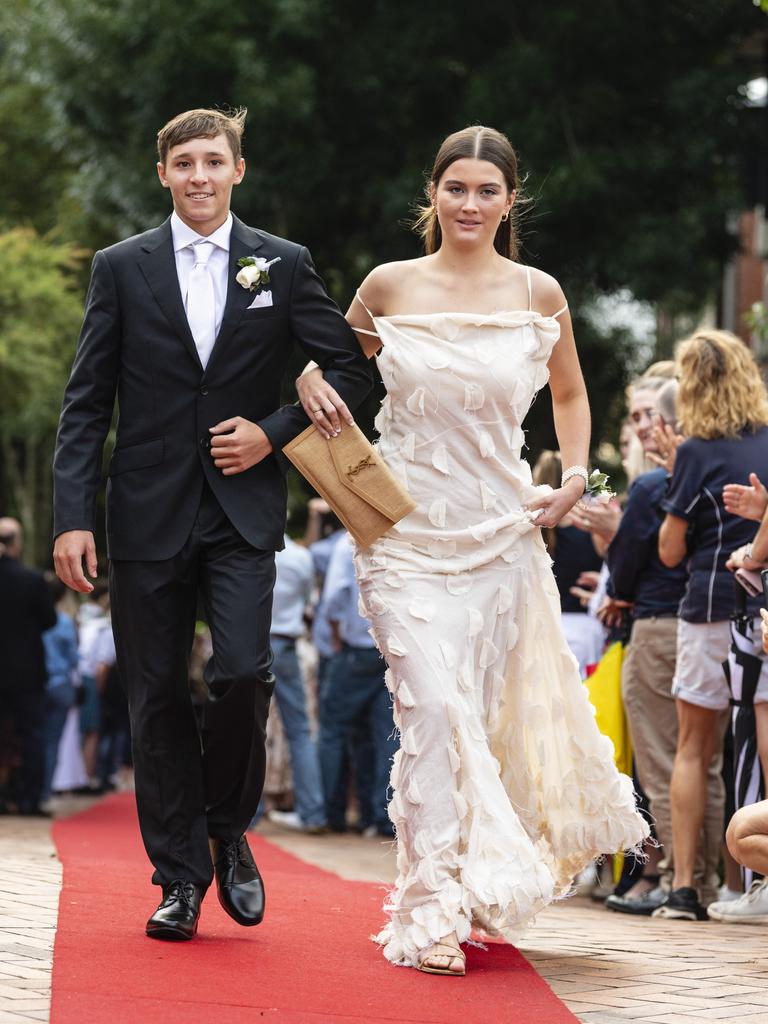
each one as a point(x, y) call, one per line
point(255, 272)
point(595, 485)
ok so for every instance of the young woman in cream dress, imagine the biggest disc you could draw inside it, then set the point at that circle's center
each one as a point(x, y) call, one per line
point(503, 788)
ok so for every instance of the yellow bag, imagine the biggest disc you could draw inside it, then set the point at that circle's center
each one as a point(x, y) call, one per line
point(604, 687)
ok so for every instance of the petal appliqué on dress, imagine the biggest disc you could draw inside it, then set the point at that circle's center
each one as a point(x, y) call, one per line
point(474, 397)
point(437, 512)
point(415, 403)
point(440, 459)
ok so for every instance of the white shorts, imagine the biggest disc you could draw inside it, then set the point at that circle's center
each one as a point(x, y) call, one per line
point(702, 647)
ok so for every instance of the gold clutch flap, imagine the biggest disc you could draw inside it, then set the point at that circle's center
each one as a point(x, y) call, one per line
point(350, 474)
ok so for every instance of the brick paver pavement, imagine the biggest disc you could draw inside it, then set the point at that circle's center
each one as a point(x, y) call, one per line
point(608, 968)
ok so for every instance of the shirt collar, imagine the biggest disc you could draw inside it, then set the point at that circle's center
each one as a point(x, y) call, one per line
point(183, 235)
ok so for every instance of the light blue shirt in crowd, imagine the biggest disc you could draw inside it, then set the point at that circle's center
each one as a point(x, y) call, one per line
point(293, 589)
point(61, 655)
point(341, 595)
point(321, 550)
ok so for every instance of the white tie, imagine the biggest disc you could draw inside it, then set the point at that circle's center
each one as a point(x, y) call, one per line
point(201, 301)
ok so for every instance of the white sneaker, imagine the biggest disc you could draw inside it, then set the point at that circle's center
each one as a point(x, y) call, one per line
point(726, 895)
point(749, 908)
point(286, 819)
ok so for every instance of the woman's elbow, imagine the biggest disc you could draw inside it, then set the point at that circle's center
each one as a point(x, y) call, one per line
point(669, 556)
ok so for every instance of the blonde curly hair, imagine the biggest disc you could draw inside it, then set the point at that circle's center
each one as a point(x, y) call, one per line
point(721, 390)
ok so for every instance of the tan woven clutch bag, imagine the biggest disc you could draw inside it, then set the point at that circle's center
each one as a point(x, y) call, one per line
point(349, 473)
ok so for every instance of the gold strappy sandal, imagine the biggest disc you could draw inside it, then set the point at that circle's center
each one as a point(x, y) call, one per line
point(446, 949)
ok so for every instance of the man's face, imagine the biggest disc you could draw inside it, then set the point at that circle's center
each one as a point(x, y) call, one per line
point(200, 174)
point(642, 410)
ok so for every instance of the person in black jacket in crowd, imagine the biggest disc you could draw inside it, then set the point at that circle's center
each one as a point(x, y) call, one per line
point(26, 612)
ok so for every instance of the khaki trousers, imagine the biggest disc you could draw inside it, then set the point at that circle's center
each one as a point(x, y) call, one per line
point(646, 686)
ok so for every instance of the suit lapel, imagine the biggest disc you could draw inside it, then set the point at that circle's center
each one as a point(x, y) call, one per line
point(243, 241)
point(158, 264)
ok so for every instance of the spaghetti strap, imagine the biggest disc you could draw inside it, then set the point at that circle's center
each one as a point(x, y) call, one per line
point(530, 292)
point(361, 330)
point(560, 312)
point(359, 298)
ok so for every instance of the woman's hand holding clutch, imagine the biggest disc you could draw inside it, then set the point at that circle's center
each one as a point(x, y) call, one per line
point(321, 402)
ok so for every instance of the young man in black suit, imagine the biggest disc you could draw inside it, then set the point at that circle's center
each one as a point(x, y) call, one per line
point(194, 348)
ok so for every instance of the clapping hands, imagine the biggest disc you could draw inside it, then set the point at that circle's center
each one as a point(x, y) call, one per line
point(749, 502)
point(667, 442)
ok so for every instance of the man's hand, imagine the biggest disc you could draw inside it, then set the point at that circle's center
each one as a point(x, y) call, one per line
point(747, 502)
point(68, 552)
point(237, 445)
point(611, 611)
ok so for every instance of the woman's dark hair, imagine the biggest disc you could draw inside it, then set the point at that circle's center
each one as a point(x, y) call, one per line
point(475, 143)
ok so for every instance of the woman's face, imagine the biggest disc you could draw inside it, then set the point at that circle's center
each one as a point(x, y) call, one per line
point(470, 199)
point(642, 409)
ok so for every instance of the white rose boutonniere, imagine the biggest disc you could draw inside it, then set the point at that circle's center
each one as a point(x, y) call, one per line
point(255, 272)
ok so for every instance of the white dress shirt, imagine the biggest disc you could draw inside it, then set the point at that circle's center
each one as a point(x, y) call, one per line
point(184, 238)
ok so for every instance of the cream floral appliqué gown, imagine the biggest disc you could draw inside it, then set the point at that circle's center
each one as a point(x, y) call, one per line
point(503, 788)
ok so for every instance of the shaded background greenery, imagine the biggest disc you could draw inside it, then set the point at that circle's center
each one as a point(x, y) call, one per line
point(628, 119)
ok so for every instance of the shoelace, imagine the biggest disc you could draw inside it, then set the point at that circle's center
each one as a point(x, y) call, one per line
point(183, 891)
point(755, 891)
point(231, 853)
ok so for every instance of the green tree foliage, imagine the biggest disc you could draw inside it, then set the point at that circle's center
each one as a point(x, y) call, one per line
point(40, 311)
point(624, 116)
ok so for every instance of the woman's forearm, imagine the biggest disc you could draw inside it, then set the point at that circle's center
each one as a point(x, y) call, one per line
point(573, 428)
point(760, 543)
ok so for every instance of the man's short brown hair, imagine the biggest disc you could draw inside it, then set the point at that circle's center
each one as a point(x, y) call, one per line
point(202, 124)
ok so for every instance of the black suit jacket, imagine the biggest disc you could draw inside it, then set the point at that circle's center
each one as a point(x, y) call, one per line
point(136, 344)
point(26, 612)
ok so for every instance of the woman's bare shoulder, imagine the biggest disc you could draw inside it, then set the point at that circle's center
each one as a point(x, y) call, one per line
point(387, 279)
point(548, 296)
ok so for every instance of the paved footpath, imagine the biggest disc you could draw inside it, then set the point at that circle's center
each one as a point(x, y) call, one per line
point(608, 968)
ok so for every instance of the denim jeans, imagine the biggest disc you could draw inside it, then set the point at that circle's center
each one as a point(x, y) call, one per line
point(58, 701)
point(355, 695)
point(292, 705)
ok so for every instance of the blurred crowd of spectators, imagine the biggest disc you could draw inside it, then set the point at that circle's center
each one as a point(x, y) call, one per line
point(677, 582)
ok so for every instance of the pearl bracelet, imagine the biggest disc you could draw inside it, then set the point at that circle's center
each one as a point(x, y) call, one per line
point(575, 471)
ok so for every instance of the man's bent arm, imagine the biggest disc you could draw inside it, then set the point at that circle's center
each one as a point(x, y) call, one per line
point(320, 328)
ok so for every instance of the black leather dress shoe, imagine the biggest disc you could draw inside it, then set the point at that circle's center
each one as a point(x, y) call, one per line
point(177, 916)
point(238, 882)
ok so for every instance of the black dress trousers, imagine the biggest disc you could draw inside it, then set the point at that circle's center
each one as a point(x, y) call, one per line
point(192, 784)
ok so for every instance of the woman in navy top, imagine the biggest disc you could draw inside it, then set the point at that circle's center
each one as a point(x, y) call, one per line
point(722, 409)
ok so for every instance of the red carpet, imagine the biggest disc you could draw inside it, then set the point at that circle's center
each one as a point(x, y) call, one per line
point(310, 961)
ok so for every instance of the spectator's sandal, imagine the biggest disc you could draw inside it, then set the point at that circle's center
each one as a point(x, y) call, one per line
point(443, 949)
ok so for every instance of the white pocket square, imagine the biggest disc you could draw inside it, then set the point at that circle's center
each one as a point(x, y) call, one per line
point(262, 299)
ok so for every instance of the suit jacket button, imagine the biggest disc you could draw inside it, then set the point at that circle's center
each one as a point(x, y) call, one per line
point(204, 442)
point(203, 391)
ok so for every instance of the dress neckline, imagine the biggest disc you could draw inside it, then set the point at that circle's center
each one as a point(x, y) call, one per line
point(474, 316)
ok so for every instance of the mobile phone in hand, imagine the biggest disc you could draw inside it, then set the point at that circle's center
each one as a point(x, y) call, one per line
point(764, 576)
